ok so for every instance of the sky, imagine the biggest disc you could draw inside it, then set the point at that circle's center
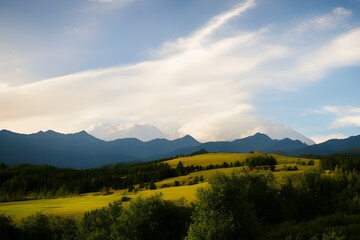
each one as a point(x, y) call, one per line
point(217, 70)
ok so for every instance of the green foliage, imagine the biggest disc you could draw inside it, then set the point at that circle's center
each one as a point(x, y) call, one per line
point(180, 169)
point(45, 227)
point(311, 163)
point(345, 162)
point(125, 199)
point(7, 228)
point(153, 218)
point(261, 160)
point(25, 182)
point(338, 226)
point(223, 212)
point(201, 151)
point(152, 185)
point(98, 224)
point(201, 179)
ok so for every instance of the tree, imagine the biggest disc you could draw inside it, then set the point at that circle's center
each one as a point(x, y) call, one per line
point(152, 185)
point(311, 163)
point(98, 224)
point(222, 211)
point(201, 178)
point(180, 169)
point(153, 218)
point(42, 226)
point(7, 228)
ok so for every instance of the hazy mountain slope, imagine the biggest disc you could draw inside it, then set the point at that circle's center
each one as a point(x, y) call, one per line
point(259, 142)
point(330, 147)
point(81, 150)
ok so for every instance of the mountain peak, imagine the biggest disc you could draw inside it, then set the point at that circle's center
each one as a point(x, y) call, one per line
point(262, 135)
point(47, 133)
point(279, 131)
point(188, 138)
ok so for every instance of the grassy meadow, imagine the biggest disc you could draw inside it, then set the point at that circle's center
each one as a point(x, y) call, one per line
point(77, 205)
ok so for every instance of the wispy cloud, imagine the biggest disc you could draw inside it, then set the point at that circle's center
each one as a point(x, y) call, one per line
point(346, 116)
point(326, 21)
point(203, 84)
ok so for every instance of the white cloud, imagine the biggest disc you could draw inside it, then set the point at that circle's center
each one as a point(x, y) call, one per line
point(323, 138)
point(202, 85)
point(346, 116)
point(278, 131)
point(341, 110)
point(342, 51)
point(340, 11)
point(346, 121)
point(326, 21)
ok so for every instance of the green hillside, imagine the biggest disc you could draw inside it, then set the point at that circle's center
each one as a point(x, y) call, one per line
point(187, 185)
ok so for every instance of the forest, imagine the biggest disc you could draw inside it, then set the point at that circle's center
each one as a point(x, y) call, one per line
point(314, 205)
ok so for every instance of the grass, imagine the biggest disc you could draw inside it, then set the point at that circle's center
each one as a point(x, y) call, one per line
point(74, 206)
point(207, 159)
point(77, 205)
point(188, 192)
point(218, 158)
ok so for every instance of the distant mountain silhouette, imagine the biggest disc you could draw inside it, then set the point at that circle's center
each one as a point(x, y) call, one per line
point(81, 150)
point(259, 142)
point(351, 144)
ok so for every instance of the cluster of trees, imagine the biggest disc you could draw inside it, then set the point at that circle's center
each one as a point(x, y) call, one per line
point(261, 160)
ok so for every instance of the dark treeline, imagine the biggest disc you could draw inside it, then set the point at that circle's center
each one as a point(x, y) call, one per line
point(42, 181)
point(345, 162)
point(248, 206)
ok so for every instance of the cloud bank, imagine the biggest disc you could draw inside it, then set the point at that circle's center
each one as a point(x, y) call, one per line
point(203, 84)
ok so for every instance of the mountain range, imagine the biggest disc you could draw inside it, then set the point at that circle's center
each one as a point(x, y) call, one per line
point(82, 150)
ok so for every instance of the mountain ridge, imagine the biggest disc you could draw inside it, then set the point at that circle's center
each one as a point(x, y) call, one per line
point(82, 150)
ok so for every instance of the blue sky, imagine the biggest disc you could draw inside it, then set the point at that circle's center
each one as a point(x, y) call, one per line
point(217, 70)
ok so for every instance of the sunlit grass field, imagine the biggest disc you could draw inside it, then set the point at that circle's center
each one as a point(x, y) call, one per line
point(77, 205)
point(74, 206)
point(218, 158)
